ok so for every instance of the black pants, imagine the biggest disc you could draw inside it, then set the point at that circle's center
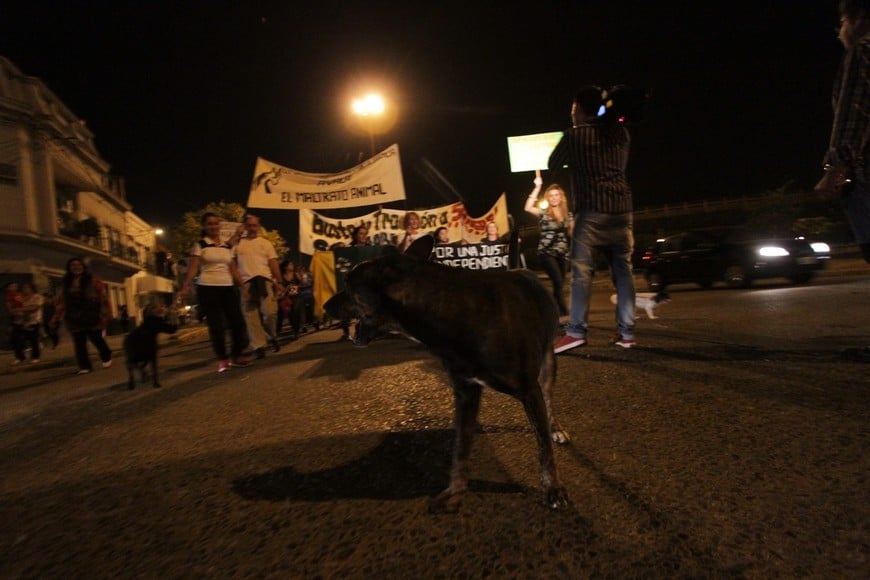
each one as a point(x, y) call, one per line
point(21, 337)
point(222, 308)
point(80, 341)
point(283, 316)
point(52, 334)
point(555, 269)
point(302, 312)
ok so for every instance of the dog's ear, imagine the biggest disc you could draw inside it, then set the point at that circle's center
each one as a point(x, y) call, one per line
point(421, 248)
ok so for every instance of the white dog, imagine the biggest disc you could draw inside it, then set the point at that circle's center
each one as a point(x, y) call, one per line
point(649, 301)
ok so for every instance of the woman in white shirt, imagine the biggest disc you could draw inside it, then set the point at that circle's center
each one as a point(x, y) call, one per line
point(217, 291)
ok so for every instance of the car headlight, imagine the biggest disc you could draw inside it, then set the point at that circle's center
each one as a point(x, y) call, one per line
point(772, 251)
point(820, 247)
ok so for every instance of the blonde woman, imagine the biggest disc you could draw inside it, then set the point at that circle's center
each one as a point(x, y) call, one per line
point(556, 228)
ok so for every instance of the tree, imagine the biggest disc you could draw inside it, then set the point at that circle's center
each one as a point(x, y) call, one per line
point(189, 230)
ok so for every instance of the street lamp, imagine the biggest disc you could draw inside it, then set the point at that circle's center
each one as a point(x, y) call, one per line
point(369, 107)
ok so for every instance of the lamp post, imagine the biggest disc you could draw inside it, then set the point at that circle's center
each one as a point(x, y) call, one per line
point(368, 108)
point(161, 255)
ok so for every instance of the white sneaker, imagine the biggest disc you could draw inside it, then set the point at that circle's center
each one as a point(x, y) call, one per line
point(83, 371)
point(107, 364)
point(33, 361)
point(17, 361)
point(619, 340)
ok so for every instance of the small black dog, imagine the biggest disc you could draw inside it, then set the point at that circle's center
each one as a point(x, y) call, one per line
point(492, 328)
point(140, 346)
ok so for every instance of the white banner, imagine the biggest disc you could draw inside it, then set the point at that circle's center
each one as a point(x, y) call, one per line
point(374, 181)
point(474, 256)
point(530, 152)
point(318, 232)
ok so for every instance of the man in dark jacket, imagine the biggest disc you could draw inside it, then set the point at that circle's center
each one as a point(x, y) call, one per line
point(595, 150)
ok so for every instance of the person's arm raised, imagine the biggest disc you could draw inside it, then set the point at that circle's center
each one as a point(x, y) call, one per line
point(531, 201)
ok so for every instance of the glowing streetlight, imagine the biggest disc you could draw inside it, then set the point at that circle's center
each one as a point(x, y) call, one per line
point(158, 232)
point(369, 107)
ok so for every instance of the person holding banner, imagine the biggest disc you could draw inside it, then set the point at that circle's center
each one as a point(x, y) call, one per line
point(360, 237)
point(258, 266)
point(442, 236)
point(595, 150)
point(556, 229)
point(411, 224)
point(492, 236)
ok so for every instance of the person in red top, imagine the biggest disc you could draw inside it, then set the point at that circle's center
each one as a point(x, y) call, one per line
point(12, 297)
point(83, 306)
point(27, 319)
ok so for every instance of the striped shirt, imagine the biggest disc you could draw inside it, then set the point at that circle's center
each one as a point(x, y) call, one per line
point(596, 154)
point(851, 101)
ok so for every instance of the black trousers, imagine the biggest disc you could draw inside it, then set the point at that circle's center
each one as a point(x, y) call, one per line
point(21, 337)
point(222, 308)
point(555, 269)
point(80, 341)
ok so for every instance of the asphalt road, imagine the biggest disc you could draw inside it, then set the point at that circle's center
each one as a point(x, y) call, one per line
point(733, 442)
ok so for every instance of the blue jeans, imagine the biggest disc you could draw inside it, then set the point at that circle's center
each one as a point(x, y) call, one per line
point(613, 234)
point(856, 205)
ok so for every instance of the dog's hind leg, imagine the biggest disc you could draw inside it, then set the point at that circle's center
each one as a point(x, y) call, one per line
point(154, 382)
point(555, 495)
point(547, 378)
point(466, 395)
point(131, 379)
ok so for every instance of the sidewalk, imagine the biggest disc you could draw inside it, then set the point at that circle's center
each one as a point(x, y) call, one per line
point(64, 355)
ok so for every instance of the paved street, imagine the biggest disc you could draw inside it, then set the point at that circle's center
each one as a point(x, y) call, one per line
point(732, 443)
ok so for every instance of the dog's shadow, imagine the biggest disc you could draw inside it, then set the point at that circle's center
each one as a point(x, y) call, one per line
point(405, 465)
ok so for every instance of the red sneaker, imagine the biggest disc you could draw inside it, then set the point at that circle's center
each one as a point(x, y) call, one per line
point(223, 366)
point(567, 343)
point(240, 361)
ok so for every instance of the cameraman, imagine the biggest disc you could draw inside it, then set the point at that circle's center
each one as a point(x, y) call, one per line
point(595, 150)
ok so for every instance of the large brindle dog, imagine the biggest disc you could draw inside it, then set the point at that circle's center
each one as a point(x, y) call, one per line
point(492, 328)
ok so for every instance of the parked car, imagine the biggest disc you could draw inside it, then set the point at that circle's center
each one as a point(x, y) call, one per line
point(730, 255)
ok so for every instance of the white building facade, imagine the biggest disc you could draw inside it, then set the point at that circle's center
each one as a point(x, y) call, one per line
point(59, 200)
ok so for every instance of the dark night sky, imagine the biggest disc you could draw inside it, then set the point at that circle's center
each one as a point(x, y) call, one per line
point(183, 96)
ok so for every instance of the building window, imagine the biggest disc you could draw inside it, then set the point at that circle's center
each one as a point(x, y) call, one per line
point(66, 208)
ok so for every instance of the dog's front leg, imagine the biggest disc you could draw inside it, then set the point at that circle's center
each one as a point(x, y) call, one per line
point(555, 495)
point(467, 398)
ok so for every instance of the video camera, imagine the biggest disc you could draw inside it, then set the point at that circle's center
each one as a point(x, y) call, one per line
point(623, 104)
